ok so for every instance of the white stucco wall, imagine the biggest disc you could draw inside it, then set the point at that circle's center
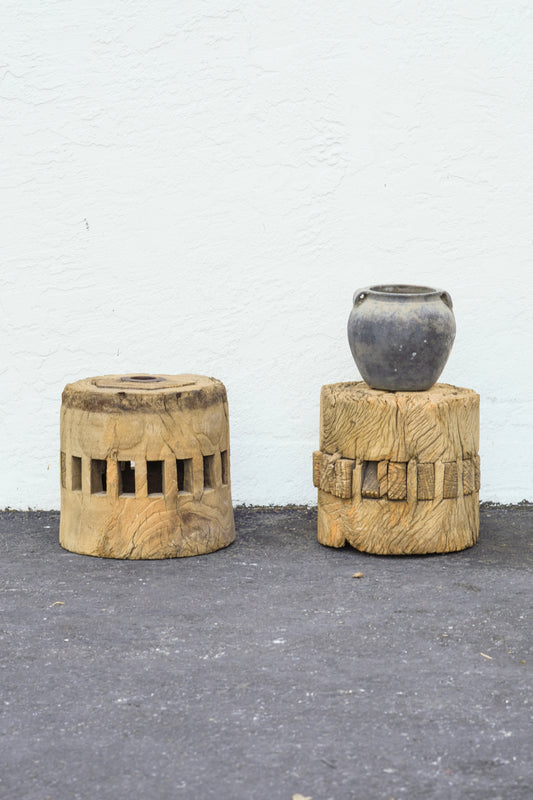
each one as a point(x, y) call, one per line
point(200, 186)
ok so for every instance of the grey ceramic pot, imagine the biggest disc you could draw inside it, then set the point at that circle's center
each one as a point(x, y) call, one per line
point(401, 336)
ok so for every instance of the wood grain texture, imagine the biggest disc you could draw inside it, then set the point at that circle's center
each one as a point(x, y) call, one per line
point(129, 440)
point(382, 475)
point(451, 483)
point(413, 454)
point(468, 476)
point(477, 474)
point(397, 475)
point(371, 484)
point(440, 424)
point(425, 481)
point(394, 528)
point(333, 474)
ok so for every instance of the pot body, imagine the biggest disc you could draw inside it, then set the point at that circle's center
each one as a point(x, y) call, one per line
point(401, 336)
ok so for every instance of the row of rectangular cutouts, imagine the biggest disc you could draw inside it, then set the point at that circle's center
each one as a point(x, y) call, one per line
point(388, 479)
point(155, 474)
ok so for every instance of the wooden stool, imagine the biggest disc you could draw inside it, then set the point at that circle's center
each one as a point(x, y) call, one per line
point(145, 469)
point(398, 472)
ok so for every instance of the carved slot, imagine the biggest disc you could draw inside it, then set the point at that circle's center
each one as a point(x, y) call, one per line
point(184, 473)
point(76, 474)
point(126, 477)
point(154, 477)
point(98, 476)
point(224, 464)
point(209, 472)
point(63, 464)
point(374, 479)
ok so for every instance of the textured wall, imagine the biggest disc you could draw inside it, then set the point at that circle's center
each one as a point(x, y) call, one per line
point(201, 186)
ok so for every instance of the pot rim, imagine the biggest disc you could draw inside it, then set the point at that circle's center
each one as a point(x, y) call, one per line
point(401, 290)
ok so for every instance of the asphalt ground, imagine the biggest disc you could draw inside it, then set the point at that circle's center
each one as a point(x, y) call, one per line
point(267, 670)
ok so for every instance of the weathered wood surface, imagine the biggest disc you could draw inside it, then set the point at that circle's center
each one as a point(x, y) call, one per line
point(451, 485)
point(468, 476)
point(397, 481)
point(425, 476)
point(442, 423)
point(145, 467)
point(415, 468)
point(333, 474)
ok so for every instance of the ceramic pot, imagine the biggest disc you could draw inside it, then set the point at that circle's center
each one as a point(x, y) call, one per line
point(401, 336)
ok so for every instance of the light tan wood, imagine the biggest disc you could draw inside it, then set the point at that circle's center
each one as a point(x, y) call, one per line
point(397, 477)
point(375, 479)
point(425, 481)
point(415, 476)
point(450, 485)
point(438, 424)
point(477, 474)
point(126, 446)
point(468, 476)
point(333, 474)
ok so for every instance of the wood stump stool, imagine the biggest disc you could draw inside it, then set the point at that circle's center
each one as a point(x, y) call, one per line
point(398, 472)
point(145, 470)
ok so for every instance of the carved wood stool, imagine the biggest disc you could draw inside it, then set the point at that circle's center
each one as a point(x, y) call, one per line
point(145, 469)
point(398, 472)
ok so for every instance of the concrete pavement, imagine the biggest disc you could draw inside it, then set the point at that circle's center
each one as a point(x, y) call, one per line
point(266, 670)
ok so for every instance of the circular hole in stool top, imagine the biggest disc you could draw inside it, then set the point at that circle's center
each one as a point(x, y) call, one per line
point(141, 378)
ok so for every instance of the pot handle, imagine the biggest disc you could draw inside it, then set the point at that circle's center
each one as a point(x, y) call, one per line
point(445, 297)
point(358, 297)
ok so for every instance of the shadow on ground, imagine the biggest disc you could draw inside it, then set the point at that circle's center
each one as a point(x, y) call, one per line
point(266, 669)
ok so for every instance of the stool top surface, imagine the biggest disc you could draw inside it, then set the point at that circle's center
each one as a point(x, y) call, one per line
point(149, 382)
point(143, 391)
point(359, 390)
